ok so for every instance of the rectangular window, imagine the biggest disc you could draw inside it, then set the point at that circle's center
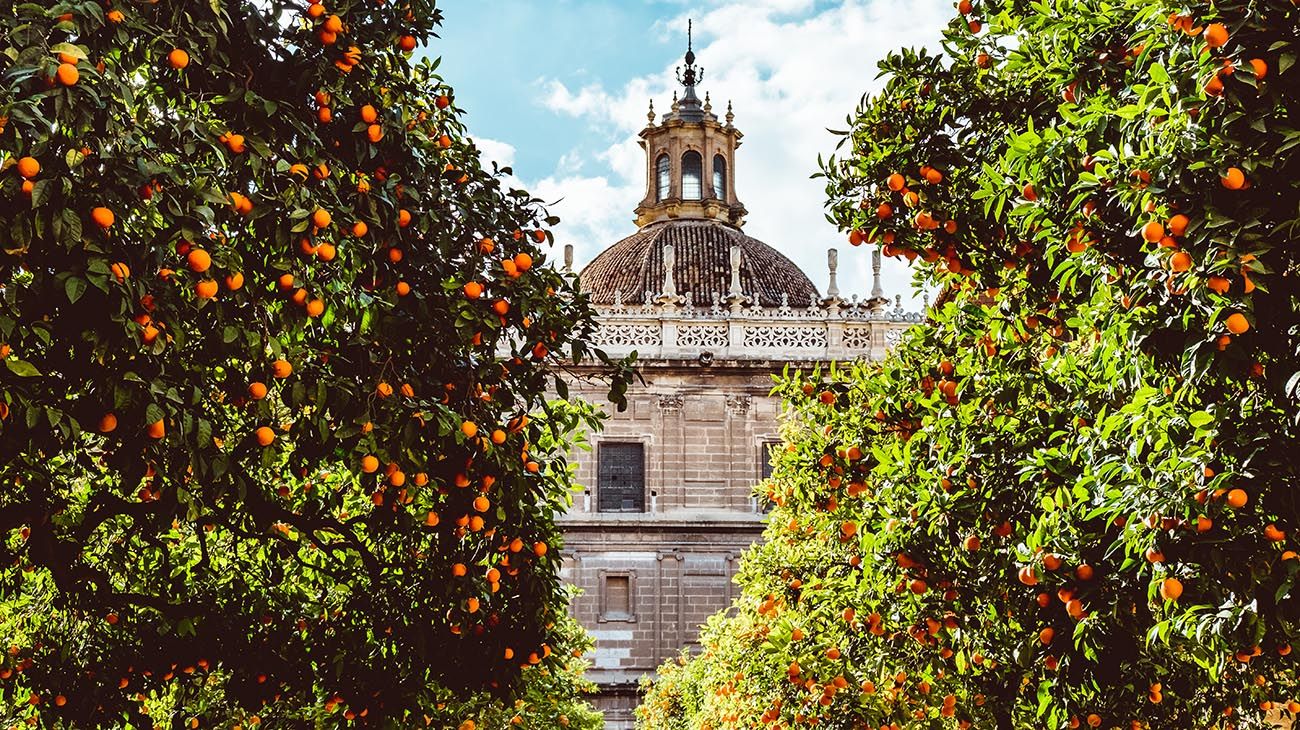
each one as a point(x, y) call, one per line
point(618, 597)
point(620, 477)
point(765, 453)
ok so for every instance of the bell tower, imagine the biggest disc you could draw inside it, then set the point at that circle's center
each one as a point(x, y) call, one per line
point(690, 157)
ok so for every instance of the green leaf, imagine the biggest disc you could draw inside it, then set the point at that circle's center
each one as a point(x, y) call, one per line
point(21, 368)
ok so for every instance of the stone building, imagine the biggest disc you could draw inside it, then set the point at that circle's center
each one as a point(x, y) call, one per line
point(712, 314)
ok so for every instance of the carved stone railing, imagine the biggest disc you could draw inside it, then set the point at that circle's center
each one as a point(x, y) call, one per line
point(834, 330)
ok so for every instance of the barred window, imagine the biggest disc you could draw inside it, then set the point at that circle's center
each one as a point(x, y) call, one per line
point(620, 477)
point(692, 174)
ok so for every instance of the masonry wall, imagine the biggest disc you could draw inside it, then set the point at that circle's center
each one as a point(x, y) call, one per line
point(649, 579)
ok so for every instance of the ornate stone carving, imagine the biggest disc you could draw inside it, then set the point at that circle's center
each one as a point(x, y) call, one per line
point(858, 338)
point(738, 404)
point(671, 402)
point(702, 335)
point(784, 337)
point(629, 335)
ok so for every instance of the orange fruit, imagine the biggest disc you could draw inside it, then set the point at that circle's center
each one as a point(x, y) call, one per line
point(257, 390)
point(1027, 576)
point(321, 218)
point(198, 260)
point(368, 114)
point(285, 282)
point(1153, 232)
point(108, 422)
point(1237, 323)
point(359, 229)
point(333, 24)
point(403, 288)
point(102, 216)
point(406, 43)
point(972, 543)
point(895, 182)
point(1218, 284)
point(1084, 572)
point(281, 369)
point(1259, 66)
point(1046, 635)
point(121, 271)
point(324, 115)
point(1233, 179)
point(1178, 224)
point(1237, 498)
point(403, 218)
point(206, 289)
point(384, 389)
point(28, 167)
point(523, 261)
point(157, 429)
point(473, 290)
point(469, 428)
point(539, 549)
point(1216, 35)
point(265, 435)
point(67, 74)
point(369, 464)
point(326, 252)
point(481, 504)
point(178, 58)
point(1171, 589)
point(315, 307)
point(235, 281)
point(1180, 261)
point(115, 16)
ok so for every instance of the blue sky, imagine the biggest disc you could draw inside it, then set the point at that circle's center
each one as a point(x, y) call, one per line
point(559, 88)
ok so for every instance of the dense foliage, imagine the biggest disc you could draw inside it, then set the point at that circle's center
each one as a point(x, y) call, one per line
point(272, 337)
point(1070, 499)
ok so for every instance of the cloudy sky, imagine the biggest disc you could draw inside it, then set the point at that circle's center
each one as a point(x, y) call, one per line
point(559, 89)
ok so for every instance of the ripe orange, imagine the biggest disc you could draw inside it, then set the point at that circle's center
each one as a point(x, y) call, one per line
point(67, 74)
point(359, 229)
point(121, 271)
point(374, 133)
point(1046, 635)
point(523, 261)
point(1178, 224)
point(1218, 284)
point(315, 307)
point(1084, 572)
point(368, 114)
point(403, 288)
point(1028, 576)
point(1216, 35)
point(326, 252)
point(1237, 323)
point(321, 218)
point(403, 218)
point(257, 390)
point(895, 182)
point(198, 260)
point(28, 167)
point(1259, 66)
point(281, 369)
point(1180, 261)
point(1237, 498)
point(481, 504)
point(1152, 232)
point(369, 464)
point(884, 210)
point(102, 216)
point(115, 16)
point(235, 281)
point(157, 429)
point(265, 435)
point(206, 289)
point(473, 290)
point(178, 59)
point(539, 549)
point(1233, 179)
point(406, 43)
point(972, 543)
point(469, 428)
point(285, 282)
point(383, 389)
point(1171, 589)
point(108, 422)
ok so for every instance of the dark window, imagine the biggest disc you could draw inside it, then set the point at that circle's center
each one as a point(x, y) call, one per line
point(719, 177)
point(663, 177)
point(766, 455)
point(618, 597)
point(620, 477)
point(692, 172)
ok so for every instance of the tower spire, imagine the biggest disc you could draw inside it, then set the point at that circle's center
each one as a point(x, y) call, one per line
point(691, 75)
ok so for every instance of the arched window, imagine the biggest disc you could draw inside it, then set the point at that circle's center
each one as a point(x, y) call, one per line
point(692, 172)
point(719, 177)
point(663, 178)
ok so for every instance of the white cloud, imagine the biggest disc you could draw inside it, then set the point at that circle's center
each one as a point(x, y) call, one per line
point(792, 70)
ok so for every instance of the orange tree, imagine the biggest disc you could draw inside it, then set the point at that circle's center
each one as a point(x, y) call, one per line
point(271, 339)
point(1068, 500)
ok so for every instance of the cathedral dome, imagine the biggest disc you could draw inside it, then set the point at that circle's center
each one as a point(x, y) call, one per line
point(625, 271)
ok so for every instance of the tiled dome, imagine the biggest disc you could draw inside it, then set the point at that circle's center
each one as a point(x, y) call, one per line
point(702, 269)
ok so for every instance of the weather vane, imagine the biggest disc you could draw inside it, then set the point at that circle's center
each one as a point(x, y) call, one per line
point(692, 75)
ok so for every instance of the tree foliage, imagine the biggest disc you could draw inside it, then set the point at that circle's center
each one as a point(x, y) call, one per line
point(272, 339)
point(1068, 500)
